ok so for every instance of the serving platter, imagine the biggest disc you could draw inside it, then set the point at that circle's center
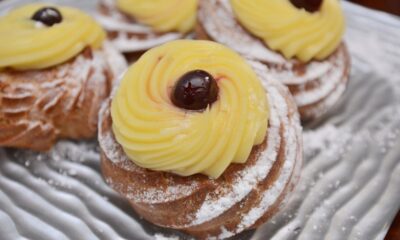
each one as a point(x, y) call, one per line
point(350, 181)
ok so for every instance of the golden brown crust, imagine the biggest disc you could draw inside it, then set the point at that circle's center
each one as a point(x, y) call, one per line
point(178, 212)
point(39, 106)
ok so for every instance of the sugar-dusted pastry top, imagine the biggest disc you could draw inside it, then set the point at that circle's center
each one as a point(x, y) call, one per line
point(293, 31)
point(157, 134)
point(162, 15)
point(33, 38)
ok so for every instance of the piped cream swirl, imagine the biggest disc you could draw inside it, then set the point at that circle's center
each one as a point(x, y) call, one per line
point(292, 31)
point(28, 44)
point(157, 135)
point(162, 15)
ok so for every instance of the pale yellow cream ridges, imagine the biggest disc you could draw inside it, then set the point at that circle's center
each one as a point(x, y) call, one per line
point(157, 135)
point(292, 31)
point(162, 15)
point(27, 44)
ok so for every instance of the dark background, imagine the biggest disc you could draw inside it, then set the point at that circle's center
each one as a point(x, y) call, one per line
point(392, 6)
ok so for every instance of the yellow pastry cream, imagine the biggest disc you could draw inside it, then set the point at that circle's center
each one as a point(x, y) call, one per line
point(54, 37)
point(158, 135)
point(162, 15)
point(293, 31)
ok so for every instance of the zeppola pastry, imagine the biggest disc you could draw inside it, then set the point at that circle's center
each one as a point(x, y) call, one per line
point(300, 42)
point(200, 140)
point(55, 70)
point(138, 25)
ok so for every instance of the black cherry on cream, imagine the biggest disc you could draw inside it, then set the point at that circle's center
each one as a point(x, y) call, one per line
point(195, 90)
point(48, 16)
point(309, 5)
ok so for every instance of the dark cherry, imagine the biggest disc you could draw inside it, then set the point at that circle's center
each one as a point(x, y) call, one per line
point(48, 16)
point(195, 90)
point(308, 5)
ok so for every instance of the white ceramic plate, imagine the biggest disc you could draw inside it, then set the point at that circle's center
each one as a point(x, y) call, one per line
point(350, 181)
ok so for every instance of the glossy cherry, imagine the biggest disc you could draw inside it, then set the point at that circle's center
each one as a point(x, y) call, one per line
point(308, 5)
point(48, 16)
point(195, 90)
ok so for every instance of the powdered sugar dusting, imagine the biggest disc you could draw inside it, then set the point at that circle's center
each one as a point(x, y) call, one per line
point(329, 77)
point(247, 179)
point(40, 96)
point(323, 106)
point(114, 153)
point(107, 140)
point(217, 19)
point(131, 36)
point(115, 60)
point(157, 195)
point(290, 170)
point(162, 237)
